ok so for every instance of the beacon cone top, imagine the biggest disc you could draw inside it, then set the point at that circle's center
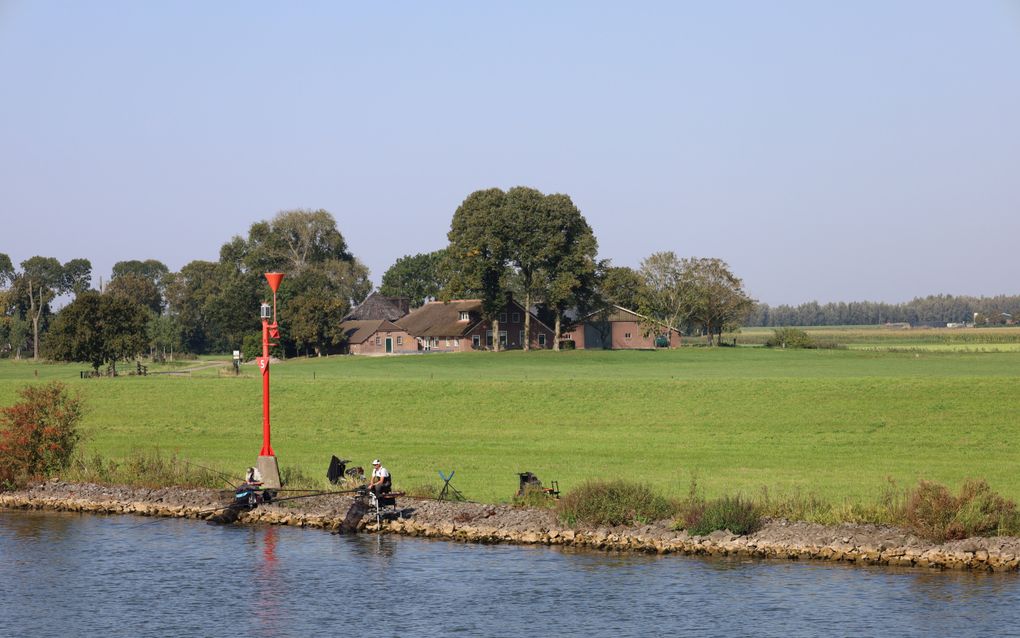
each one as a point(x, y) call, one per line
point(274, 279)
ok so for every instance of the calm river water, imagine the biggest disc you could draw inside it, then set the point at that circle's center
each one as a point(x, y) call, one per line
point(74, 575)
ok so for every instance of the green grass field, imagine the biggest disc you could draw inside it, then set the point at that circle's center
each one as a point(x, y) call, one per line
point(832, 423)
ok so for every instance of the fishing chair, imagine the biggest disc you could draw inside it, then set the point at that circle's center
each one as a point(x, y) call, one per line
point(383, 505)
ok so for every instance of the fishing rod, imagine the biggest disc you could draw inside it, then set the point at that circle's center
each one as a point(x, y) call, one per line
point(222, 475)
point(290, 498)
point(201, 513)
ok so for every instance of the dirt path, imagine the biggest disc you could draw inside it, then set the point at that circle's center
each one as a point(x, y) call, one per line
point(195, 368)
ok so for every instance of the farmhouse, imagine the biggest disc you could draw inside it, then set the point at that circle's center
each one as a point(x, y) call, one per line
point(617, 328)
point(377, 336)
point(457, 326)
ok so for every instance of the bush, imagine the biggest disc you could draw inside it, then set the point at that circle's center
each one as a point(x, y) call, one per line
point(934, 513)
point(613, 503)
point(38, 434)
point(790, 338)
point(733, 513)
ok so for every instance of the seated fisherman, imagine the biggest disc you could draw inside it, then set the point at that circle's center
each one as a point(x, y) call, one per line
point(253, 476)
point(380, 483)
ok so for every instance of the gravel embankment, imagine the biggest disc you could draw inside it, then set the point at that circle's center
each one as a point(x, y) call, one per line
point(480, 523)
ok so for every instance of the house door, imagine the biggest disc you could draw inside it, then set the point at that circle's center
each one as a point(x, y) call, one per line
point(389, 345)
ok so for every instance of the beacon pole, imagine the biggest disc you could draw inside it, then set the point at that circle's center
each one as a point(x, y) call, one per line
point(267, 464)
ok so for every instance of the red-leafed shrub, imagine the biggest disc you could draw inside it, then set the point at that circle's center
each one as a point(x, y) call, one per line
point(38, 433)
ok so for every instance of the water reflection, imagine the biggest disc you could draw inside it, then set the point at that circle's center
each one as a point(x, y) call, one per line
point(93, 575)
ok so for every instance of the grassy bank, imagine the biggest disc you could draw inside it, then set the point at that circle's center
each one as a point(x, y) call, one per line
point(832, 424)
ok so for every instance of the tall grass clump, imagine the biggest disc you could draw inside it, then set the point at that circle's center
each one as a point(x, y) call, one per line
point(737, 514)
point(424, 490)
point(534, 496)
point(615, 502)
point(38, 434)
point(931, 511)
point(147, 469)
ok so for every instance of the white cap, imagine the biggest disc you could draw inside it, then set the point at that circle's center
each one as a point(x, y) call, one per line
point(376, 462)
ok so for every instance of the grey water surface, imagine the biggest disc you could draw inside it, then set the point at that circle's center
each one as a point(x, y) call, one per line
point(81, 575)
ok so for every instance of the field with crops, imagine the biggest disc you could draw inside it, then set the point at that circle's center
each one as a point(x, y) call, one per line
point(835, 424)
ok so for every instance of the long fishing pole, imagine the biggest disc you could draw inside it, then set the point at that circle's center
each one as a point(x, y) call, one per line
point(222, 475)
point(290, 498)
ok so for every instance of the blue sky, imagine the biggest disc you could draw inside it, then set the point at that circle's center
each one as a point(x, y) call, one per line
point(827, 151)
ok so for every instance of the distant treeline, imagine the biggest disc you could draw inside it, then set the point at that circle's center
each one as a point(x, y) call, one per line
point(934, 310)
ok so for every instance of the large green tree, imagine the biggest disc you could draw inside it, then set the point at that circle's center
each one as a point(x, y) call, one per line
point(477, 257)
point(40, 281)
point(98, 328)
point(666, 296)
point(694, 292)
point(569, 268)
point(317, 298)
point(216, 303)
point(6, 270)
point(77, 276)
point(164, 335)
point(528, 229)
point(417, 277)
point(139, 289)
point(151, 269)
point(622, 286)
point(717, 296)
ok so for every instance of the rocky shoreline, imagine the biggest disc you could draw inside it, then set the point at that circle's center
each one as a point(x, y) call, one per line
point(481, 523)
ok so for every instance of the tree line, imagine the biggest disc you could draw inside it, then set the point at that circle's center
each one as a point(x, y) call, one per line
point(537, 247)
point(933, 310)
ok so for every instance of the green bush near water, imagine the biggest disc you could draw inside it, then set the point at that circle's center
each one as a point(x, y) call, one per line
point(615, 502)
point(932, 512)
point(734, 513)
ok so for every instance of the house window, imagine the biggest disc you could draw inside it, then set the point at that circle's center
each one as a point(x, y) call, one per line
point(456, 343)
point(502, 317)
point(541, 339)
point(476, 341)
point(488, 338)
point(521, 338)
point(626, 335)
point(463, 316)
point(517, 317)
point(447, 342)
point(435, 342)
point(400, 340)
point(502, 337)
point(378, 341)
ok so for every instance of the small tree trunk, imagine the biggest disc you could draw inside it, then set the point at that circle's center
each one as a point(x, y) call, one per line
point(557, 327)
point(35, 319)
point(35, 337)
point(495, 334)
point(527, 320)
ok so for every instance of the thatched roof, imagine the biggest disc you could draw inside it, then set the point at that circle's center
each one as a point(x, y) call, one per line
point(359, 331)
point(442, 319)
point(376, 306)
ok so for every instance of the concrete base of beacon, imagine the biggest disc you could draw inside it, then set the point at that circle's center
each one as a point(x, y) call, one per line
point(270, 471)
